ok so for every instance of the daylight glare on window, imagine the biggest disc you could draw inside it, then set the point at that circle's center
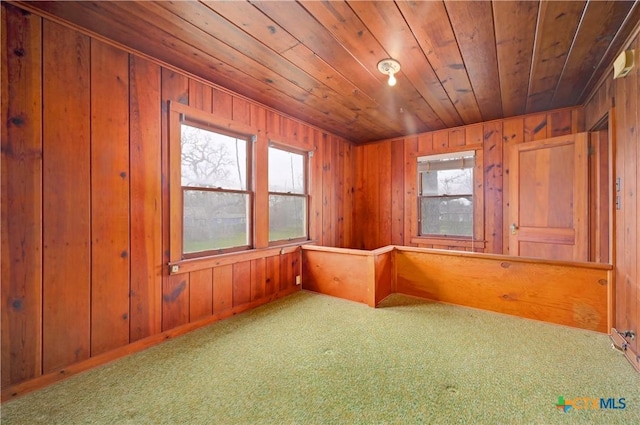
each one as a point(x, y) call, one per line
point(446, 196)
point(287, 195)
point(216, 201)
point(212, 159)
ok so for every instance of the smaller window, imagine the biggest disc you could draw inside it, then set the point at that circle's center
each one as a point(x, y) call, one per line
point(446, 194)
point(288, 199)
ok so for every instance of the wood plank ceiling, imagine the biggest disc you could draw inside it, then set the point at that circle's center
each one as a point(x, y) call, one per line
point(462, 61)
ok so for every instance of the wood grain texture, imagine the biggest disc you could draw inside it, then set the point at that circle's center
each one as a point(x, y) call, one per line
point(200, 294)
point(145, 199)
point(110, 289)
point(339, 274)
point(98, 120)
point(507, 285)
point(175, 301)
point(462, 62)
point(66, 219)
point(514, 27)
point(21, 190)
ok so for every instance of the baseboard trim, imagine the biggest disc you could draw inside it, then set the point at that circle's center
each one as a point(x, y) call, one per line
point(50, 378)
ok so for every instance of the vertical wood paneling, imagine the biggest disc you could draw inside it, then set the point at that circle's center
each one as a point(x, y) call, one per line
point(384, 199)
point(109, 198)
point(441, 141)
point(328, 234)
point(175, 291)
point(425, 143)
point(175, 301)
point(200, 96)
point(338, 160)
point(627, 99)
point(222, 104)
point(85, 158)
point(258, 269)
point(272, 275)
point(535, 127)
point(241, 283)
point(145, 199)
point(241, 111)
point(512, 134)
point(285, 272)
point(347, 195)
point(21, 190)
point(410, 189)
point(397, 192)
point(67, 218)
point(492, 149)
point(200, 294)
point(222, 288)
point(316, 164)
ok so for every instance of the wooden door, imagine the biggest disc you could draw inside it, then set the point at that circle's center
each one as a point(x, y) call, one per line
point(548, 205)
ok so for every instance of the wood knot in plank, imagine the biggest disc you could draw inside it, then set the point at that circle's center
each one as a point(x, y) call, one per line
point(505, 265)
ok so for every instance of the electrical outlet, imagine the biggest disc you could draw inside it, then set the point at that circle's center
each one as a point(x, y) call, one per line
point(298, 279)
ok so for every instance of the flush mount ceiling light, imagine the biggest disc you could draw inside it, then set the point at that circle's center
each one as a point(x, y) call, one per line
point(389, 67)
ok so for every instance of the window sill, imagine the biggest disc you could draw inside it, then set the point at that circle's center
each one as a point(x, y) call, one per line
point(454, 241)
point(201, 263)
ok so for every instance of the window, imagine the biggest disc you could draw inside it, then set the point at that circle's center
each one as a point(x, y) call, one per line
point(216, 197)
point(446, 194)
point(288, 198)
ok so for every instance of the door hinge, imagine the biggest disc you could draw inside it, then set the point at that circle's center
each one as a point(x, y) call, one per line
point(618, 184)
point(618, 203)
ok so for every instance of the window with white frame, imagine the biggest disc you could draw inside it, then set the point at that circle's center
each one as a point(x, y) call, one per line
point(445, 198)
point(288, 198)
point(216, 190)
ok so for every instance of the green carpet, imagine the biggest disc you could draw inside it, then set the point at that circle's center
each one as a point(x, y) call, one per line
point(313, 359)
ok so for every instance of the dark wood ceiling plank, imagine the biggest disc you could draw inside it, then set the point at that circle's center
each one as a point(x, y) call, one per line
point(600, 22)
point(255, 23)
point(430, 24)
point(472, 23)
point(300, 24)
point(558, 21)
point(276, 72)
point(117, 24)
point(515, 23)
point(631, 22)
point(387, 25)
point(350, 32)
point(255, 58)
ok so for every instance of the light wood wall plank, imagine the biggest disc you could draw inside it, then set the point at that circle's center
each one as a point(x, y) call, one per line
point(66, 219)
point(145, 199)
point(109, 198)
point(21, 190)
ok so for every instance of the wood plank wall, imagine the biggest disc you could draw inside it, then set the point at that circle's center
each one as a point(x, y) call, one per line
point(619, 100)
point(386, 180)
point(85, 201)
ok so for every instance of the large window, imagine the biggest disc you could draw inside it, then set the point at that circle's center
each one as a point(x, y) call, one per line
point(446, 194)
point(288, 198)
point(216, 195)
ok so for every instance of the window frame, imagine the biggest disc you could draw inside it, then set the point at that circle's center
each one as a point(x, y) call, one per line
point(476, 227)
point(182, 114)
point(305, 195)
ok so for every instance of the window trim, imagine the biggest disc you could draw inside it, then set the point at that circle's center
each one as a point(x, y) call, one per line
point(305, 195)
point(179, 114)
point(478, 199)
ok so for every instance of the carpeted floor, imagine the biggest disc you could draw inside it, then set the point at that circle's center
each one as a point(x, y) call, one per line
point(313, 359)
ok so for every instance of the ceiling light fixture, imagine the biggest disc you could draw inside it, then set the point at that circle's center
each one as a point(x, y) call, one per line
point(389, 67)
